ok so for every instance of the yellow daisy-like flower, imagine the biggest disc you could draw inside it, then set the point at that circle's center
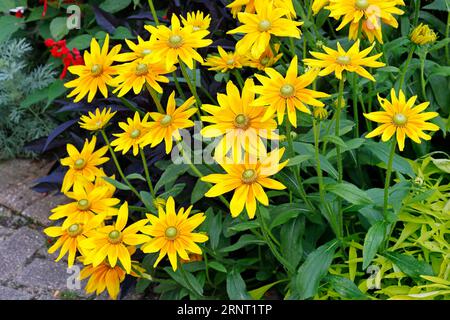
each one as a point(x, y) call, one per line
point(96, 73)
point(87, 203)
point(70, 237)
point(422, 34)
point(259, 27)
point(373, 10)
point(225, 61)
point(166, 126)
point(289, 93)
point(371, 31)
point(237, 5)
point(239, 123)
point(247, 180)
point(134, 130)
point(111, 241)
point(138, 50)
point(103, 277)
point(173, 234)
point(317, 5)
point(267, 59)
point(340, 60)
point(134, 75)
point(96, 121)
point(401, 117)
point(287, 5)
point(197, 20)
point(176, 42)
point(83, 165)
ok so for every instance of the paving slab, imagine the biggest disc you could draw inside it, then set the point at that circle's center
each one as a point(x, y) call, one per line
point(39, 211)
point(13, 294)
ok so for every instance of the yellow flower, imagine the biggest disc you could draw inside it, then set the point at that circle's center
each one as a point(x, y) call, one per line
point(173, 234)
point(83, 165)
point(96, 73)
point(110, 241)
point(320, 113)
point(247, 180)
point(259, 27)
point(289, 93)
point(317, 5)
point(88, 201)
point(287, 5)
point(373, 10)
point(196, 20)
point(96, 121)
point(133, 131)
point(134, 75)
point(166, 126)
point(267, 59)
point(138, 50)
point(368, 28)
point(225, 61)
point(103, 277)
point(422, 34)
point(236, 6)
point(177, 43)
point(239, 123)
point(401, 117)
point(70, 237)
point(338, 61)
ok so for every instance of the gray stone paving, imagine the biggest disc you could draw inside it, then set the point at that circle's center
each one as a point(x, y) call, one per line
point(27, 271)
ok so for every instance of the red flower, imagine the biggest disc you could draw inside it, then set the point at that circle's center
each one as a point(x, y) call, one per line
point(58, 49)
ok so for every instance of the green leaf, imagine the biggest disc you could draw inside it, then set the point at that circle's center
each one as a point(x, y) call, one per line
point(381, 152)
point(192, 284)
point(409, 265)
point(442, 164)
point(8, 25)
point(199, 191)
point(80, 42)
point(245, 240)
point(350, 193)
point(283, 213)
point(345, 288)
point(313, 270)
point(372, 242)
point(171, 174)
point(336, 140)
point(298, 159)
point(35, 97)
point(142, 284)
point(58, 28)
point(246, 225)
point(122, 33)
point(135, 176)
point(113, 6)
point(441, 5)
point(236, 288)
point(217, 266)
point(147, 199)
point(173, 191)
point(117, 184)
point(258, 293)
point(55, 90)
point(214, 223)
point(291, 240)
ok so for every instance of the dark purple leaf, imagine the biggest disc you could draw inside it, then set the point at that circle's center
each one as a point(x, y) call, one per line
point(57, 131)
point(105, 20)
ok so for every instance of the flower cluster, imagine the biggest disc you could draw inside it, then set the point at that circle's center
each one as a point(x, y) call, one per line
point(105, 232)
point(58, 49)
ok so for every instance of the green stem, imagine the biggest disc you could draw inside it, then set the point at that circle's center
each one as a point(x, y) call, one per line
point(292, 46)
point(177, 85)
point(355, 104)
point(388, 178)
point(147, 174)
point(130, 106)
point(416, 12)
point(155, 98)
point(272, 247)
point(152, 9)
point(316, 130)
point(337, 127)
point(238, 77)
point(116, 162)
point(422, 75)
point(447, 31)
point(190, 84)
point(405, 68)
point(296, 169)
